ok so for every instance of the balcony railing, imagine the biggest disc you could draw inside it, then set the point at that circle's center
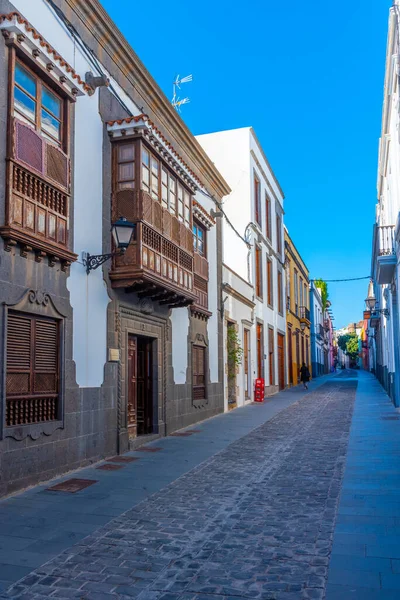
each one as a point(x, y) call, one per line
point(385, 253)
point(320, 331)
point(304, 313)
point(385, 240)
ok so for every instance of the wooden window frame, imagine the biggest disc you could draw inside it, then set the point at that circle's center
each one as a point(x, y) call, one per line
point(279, 234)
point(257, 198)
point(280, 292)
point(296, 292)
point(37, 305)
point(268, 213)
point(140, 145)
point(41, 83)
point(258, 271)
point(270, 283)
point(195, 348)
point(198, 226)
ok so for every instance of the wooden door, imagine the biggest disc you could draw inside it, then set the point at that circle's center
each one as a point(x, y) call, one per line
point(298, 365)
point(144, 387)
point(290, 356)
point(271, 352)
point(132, 385)
point(246, 361)
point(281, 361)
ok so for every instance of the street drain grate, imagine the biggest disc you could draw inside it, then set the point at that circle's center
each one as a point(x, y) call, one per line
point(181, 434)
point(390, 418)
point(144, 449)
point(72, 486)
point(122, 459)
point(108, 467)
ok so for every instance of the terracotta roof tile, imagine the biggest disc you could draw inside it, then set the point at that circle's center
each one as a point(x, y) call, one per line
point(56, 57)
point(203, 210)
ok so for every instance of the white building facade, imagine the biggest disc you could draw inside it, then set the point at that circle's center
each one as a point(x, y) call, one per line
point(384, 336)
point(253, 256)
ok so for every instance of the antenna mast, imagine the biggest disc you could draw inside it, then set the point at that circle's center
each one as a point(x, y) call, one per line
point(176, 101)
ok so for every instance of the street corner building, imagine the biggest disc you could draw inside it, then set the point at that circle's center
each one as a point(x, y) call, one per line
point(253, 266)
point(98, 355)
point(297, 311)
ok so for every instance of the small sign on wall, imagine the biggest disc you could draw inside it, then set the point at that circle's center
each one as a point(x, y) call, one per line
point(113, 355)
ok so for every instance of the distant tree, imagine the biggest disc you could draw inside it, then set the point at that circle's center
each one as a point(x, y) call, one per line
point(352, 347)
point(320, 283)
point(348, 342)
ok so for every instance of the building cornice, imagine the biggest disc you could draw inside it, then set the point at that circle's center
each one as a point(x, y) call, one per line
point(146, 93)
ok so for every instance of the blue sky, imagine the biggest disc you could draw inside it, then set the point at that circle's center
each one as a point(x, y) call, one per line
point(309, 78)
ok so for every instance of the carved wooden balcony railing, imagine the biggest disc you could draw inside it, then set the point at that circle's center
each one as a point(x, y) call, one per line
point(37, 202)
point(155, 267)
point(21, 411)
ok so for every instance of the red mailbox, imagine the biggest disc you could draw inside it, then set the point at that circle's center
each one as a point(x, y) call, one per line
point(259, 390)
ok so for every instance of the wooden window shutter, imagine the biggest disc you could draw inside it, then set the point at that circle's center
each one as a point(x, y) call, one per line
point(46, 356)
point(19, 355)
point(199, 368)
point(32, 369)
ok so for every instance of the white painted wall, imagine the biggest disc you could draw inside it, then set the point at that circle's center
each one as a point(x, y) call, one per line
point(240, 313)
point(236, 154)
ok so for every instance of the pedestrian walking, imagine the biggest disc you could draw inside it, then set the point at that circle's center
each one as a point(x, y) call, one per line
point(305, 375)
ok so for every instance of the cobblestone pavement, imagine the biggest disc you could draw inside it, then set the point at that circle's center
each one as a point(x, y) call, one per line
point(254, 521)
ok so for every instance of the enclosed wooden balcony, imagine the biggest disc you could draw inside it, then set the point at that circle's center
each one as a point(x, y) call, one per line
point(159, 263)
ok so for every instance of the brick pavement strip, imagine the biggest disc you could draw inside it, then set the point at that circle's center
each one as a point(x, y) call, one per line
point(254, 521)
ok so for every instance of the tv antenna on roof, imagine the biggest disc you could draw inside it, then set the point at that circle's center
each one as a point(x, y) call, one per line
point(176, 101)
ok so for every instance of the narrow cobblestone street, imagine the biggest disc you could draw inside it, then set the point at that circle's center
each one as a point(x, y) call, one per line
point(255, 520)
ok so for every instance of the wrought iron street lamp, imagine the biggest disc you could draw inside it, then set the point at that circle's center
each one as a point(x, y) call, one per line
point(302, 326)
point(122, 231)
point(373, 307)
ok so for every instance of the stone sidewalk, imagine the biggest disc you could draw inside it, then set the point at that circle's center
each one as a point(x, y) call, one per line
point(365, 560)
point(37, 525)
point(254, 520)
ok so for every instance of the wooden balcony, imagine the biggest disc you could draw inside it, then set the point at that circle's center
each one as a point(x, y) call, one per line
point(155, 267)
point(200, 307)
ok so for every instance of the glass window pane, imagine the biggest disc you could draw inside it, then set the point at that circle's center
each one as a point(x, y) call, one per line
point(154, 166)
point(126, 185)
point(24, 104)
point(146, 178)
point(172, 183)
point(51, 102)
point(164, 176)
point(50, 124)
point(200, 246)
point(126, 171)
point(25, 80)
point(145, 158)
point(126, 152)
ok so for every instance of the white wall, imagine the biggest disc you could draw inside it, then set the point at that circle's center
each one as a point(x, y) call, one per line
point(236, 155)
point(229, 150)
point(240, 313)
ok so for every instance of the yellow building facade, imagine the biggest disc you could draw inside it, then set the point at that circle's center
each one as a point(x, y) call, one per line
point(298, 346)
